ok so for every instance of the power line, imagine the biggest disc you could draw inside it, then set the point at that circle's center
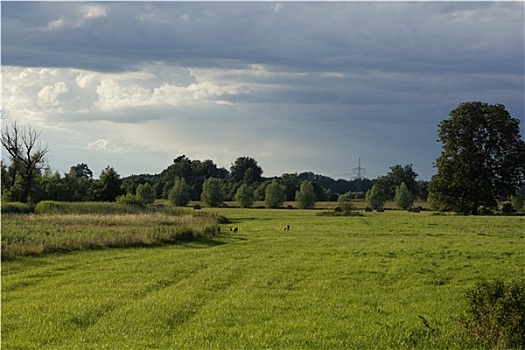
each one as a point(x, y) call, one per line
point(360, 171)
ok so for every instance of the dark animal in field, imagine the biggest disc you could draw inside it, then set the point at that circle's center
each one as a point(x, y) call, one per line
point(235, 230)
point(287, 228)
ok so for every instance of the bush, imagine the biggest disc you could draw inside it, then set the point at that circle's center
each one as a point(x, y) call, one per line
point(130, 199)
point(222, 220)
point(507, 208)
point(275, 195)
point(344, 198)
point(346, 206)
point(306, 196)
point(375, 197)
point(245, 196)
point(179, 194)
point(496, 313)
point(212, 193)
point(17, 208)
point(483, 210)
point(146, 193)
point(403, 197)
point(517, 202)
point(51, 207)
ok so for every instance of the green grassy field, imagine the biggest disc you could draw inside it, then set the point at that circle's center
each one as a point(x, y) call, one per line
point(383, 280)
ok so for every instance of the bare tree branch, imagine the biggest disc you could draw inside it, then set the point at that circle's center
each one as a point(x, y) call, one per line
point(26, 153)
point(3, 113)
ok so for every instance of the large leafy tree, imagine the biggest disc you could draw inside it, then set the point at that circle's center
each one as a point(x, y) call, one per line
point(403, 197)
point(483, 158)
point(109, 186)
point(246, 169)
point(306, 196)
point(179, 194)
point(51, 187)
point(396, 176)
point(194, 172)
point(375, 197)
point(77, 183)
point(81, 170)
point(275, 195)
point(212, 193)
point(204, 170)
point(291, 183)
point(146, 193)
point(245, 196)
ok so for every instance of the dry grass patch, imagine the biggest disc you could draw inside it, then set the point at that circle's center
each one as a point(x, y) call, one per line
point(40, 234)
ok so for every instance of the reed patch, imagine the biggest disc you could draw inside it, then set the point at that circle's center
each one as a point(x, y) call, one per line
point(42, 234)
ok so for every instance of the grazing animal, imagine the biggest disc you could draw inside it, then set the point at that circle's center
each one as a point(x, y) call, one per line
point(287, 228)
point(235, 230)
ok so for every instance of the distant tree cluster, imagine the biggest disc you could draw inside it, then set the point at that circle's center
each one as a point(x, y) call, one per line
point(482, 162)
point(77, 185)
point(399, 185)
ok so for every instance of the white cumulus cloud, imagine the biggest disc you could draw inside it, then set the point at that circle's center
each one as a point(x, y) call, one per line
point(79, 15)
point(49, 95)
point(106, 145)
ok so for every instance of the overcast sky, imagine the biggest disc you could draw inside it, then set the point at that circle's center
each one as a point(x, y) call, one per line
point(298, 86)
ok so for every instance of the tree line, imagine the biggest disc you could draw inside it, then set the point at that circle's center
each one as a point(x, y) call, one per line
point(194, 180)
point(482, 162)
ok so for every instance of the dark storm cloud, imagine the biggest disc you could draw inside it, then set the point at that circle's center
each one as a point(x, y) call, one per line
point(314, 36)
point(381, 74)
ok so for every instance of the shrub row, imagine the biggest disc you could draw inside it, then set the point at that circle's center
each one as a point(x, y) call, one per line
point(17, 208)
point(101, 208)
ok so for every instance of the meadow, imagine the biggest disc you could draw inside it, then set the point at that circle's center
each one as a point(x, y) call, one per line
point(381, 280)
